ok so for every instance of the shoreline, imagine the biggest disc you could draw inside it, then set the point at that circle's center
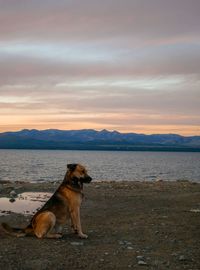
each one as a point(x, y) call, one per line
point(102, 181)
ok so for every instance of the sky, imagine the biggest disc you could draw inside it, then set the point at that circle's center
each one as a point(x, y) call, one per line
point(126, 65)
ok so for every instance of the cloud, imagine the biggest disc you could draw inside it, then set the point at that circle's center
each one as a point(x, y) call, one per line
point(37, 63)
point(114, 64)
point(91, 19)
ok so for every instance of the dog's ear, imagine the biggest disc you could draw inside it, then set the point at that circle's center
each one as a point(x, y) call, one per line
point(71, 167)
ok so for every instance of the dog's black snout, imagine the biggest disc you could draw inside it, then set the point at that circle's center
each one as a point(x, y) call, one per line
point(87, 179)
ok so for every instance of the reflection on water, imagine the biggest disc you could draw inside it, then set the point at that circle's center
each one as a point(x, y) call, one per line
point(26, 203)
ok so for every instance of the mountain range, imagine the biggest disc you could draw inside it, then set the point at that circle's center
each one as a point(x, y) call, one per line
point(89, 139)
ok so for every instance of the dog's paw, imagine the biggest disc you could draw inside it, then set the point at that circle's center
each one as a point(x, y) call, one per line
point(58, 235)
point(83, 236)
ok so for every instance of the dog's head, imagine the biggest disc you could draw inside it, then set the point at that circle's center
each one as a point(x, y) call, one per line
point(79, 173)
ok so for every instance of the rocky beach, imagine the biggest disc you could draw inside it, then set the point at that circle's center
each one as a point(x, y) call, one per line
point(131, 225)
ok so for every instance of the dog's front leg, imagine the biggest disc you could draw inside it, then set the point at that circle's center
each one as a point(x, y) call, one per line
point(76, 222)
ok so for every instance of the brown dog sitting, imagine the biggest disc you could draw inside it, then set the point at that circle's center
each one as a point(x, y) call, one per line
point(63, 205)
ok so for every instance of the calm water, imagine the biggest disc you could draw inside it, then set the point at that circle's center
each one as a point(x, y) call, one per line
point(50, 165)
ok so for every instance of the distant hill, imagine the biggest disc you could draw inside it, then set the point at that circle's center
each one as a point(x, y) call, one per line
point(89, 139)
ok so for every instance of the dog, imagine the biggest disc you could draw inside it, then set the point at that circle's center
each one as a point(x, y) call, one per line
point(63, 205)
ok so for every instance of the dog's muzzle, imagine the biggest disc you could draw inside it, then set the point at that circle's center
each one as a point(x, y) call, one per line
point(86, 179)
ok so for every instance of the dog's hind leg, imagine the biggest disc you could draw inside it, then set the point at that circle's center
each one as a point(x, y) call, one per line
point(44, 224)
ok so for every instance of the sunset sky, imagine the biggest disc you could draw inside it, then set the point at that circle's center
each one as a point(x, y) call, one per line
point(126, 65)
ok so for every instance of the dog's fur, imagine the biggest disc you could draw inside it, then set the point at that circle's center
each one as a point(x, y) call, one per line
point(63, 205)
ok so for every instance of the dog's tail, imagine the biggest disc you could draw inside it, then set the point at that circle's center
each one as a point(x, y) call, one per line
point(16, 231)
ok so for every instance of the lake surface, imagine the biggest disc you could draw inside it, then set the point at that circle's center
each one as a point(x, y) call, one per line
point(50, 165)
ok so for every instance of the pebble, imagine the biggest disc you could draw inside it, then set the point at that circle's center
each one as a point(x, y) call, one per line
point(173, 241)
point(140, 262)
point(13, 193)
point(140, 257)
point(195, 210)
point(127, 243)
point(129, 247)
point(76, 243)
point(11, 200)
point(124, 242)
point(182, 258)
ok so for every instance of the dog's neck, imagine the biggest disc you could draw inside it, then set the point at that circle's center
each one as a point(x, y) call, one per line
point(73, 183)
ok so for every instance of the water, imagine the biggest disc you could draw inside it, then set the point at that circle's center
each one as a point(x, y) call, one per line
point(26, 203)
point(50, 165)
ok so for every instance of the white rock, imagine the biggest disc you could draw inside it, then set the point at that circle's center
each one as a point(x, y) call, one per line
point(139, 257)
point(142, 262)
point(13, 193)
point(195, 210)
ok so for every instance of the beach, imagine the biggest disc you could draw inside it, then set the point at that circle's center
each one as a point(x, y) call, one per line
point(131, 225)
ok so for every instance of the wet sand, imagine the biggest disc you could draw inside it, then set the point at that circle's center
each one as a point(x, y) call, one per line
point(131, 225)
